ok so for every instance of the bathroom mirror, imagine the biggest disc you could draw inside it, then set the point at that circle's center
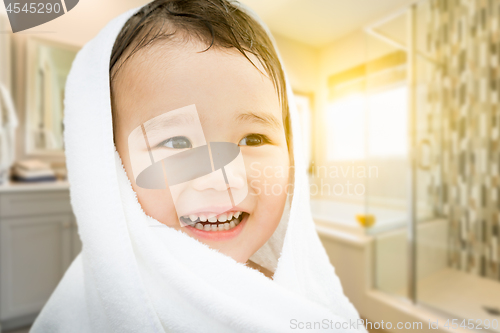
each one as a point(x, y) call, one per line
point(48, 65)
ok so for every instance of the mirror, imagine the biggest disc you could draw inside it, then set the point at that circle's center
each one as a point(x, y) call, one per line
point(48, 65)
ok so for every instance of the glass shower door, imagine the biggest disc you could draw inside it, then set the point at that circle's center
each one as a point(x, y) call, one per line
point(445, 254)
point(387, 149)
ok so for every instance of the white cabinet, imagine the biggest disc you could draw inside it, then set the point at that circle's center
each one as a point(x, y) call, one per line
point(38, 241)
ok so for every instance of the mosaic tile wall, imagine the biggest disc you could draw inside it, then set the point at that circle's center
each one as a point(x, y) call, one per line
point(463, 120)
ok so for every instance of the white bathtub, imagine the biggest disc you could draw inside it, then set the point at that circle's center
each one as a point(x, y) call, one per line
point(373, 266)
point(342, 215)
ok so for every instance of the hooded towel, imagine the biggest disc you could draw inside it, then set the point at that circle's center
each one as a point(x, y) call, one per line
point(131, 277)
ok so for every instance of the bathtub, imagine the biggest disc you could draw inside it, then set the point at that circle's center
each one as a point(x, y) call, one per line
point(342, 216)
point(372, 264)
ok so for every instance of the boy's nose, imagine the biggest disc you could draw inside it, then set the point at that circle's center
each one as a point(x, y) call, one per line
point(212, 181)
point(227, 161)
point(235, 176)
point(219, 179)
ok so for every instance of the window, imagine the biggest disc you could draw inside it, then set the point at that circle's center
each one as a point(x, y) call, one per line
point(345, 128)
point(374, 125)
point(387, 123)
point(303, 103)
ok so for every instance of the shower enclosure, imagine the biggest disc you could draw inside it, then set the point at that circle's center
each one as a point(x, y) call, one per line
point(432, 79)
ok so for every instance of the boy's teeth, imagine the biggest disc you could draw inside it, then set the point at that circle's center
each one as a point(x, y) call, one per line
point(231, 218)
point(219, 218)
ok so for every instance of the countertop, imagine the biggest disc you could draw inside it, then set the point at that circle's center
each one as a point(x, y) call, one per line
point(11, 186)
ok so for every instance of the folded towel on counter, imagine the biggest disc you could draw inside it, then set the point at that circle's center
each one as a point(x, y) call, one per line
point(131, 277)
point(33, 179)
point(33, 165)
point(21, 174)
point(32, 171)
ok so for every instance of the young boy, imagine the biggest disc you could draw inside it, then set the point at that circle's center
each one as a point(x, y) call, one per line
point(193, 97)
point(209, 59)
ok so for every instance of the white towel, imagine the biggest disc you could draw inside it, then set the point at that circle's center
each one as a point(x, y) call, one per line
point(131, 277)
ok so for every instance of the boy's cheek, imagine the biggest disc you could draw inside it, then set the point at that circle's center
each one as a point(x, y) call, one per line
point(158, 204)
point(268, 178)
point(270, 188)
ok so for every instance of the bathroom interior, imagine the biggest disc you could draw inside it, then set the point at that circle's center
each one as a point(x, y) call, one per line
point(399, 107)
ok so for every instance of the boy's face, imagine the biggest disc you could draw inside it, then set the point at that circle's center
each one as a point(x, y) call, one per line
point(234, 103)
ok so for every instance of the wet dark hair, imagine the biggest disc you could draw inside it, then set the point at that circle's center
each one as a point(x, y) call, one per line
point(218, 23)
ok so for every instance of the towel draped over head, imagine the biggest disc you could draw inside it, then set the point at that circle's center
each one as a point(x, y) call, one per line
point(131, 277)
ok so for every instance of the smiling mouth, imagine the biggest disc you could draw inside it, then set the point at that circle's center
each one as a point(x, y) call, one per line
point(221, 222)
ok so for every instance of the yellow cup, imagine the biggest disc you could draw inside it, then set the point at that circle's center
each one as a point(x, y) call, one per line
point(366, 220)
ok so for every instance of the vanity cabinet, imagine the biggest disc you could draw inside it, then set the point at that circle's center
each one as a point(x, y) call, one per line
point(38, 241)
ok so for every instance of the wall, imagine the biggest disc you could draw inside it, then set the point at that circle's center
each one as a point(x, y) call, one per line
point(301, 63)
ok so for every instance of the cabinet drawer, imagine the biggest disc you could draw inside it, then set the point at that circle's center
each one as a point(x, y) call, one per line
point(35, 251)
point(34, 203)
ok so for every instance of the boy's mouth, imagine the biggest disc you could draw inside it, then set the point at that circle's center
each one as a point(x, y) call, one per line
point(221, 222)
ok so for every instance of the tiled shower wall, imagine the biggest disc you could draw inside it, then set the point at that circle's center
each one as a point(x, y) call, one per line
point(463, 120)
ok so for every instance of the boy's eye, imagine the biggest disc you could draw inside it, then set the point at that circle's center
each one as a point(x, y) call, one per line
point(252, 140)
point(177, 142)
